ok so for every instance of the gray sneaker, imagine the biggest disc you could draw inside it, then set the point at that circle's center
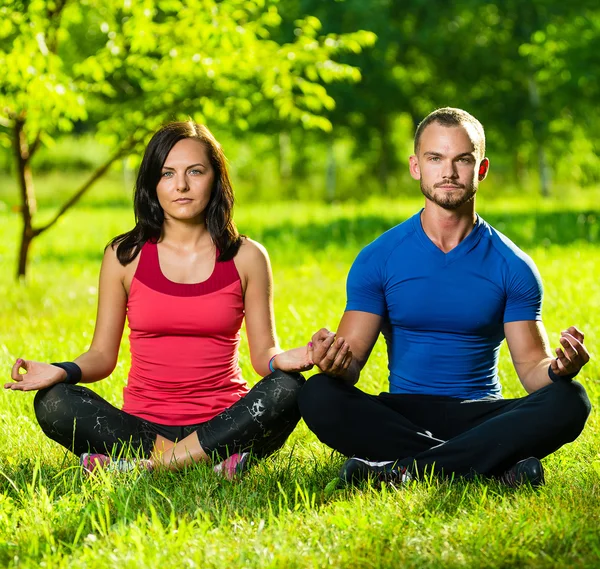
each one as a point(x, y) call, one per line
point(354, 470)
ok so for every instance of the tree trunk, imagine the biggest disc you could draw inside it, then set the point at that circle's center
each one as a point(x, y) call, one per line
point(538, 131)
point(28, 203)
point(545, 173)
point(26, 238)
point(383, 161)
point(23, 153)
point(330, 174)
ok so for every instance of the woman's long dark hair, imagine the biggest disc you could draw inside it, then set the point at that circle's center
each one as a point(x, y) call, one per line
point(149, 216)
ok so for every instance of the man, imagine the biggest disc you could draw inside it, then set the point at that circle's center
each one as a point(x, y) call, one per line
point(445, 288)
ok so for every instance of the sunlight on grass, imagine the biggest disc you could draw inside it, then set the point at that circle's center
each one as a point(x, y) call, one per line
point(286, 512)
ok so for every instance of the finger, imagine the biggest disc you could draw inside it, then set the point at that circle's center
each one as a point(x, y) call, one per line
point(347, 361)
point(331, 354)
point(583, 355)
point(568, 347)
point(340, 356)
point(575, 332)
point(320, 335)
point(563, 361)
point(554, 365)
point(321, 349)
point(14, 372)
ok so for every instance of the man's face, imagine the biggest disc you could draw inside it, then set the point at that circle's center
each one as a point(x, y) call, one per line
point(447, 166)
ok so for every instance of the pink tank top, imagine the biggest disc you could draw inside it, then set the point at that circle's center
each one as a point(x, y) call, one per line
point(184, 344)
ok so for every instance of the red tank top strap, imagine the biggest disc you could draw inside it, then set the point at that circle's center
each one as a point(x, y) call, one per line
point(149, 273)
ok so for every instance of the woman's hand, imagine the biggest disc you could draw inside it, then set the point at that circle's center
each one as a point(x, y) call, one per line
point(297, 359)
point(37, 375)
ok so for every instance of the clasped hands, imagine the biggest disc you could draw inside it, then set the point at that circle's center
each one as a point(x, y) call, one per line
point(329, 353)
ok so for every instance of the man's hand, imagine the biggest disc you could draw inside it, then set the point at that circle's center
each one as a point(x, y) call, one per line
point(572, 355)
point(330, 354)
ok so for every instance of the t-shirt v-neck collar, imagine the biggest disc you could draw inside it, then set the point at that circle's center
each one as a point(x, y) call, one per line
point(457, 252)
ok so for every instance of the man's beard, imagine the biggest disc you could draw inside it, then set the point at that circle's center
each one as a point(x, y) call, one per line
point(450, 199)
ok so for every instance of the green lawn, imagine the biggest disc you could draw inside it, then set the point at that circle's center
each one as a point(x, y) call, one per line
point(283, 513)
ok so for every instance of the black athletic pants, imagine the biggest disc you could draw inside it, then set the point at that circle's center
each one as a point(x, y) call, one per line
point(82, 421)
point(443, 435)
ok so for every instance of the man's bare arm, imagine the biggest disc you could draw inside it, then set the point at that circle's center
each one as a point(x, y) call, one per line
point(345, 353)
point(530, 351)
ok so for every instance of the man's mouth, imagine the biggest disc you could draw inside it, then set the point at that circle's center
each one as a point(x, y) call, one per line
point(449, 186)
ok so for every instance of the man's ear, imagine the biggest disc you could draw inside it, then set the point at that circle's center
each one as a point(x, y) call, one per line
point(484, 168)
point(413, 166)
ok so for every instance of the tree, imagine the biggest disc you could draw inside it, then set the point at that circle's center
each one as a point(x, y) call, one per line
point(527, 70)
point(140, 64)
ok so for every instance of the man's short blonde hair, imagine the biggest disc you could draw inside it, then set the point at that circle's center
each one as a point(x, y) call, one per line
point(449, 116)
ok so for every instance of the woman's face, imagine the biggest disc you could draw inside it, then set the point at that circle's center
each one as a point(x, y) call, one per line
point(186, 181)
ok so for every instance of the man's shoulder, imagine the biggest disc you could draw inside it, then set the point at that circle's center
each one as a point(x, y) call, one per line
point(387, 242)
point(505, 247)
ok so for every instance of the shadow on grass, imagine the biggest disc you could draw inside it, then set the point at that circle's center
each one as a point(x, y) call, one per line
point(526, 230)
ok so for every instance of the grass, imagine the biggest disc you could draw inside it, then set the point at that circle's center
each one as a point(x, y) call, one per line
point(285, 513)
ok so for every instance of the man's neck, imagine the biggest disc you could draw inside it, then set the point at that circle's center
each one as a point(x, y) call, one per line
point(447, 228)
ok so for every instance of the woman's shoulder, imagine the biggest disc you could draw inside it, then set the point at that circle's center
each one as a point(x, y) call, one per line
point(113, 265)
point(251, 250)
point(251, 259)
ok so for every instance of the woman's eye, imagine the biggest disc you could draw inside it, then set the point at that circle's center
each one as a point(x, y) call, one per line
point(195, 172)
point(166, 174)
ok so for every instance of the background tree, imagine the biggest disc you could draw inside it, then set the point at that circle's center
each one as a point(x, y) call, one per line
point(131, 66)
point(526, 69)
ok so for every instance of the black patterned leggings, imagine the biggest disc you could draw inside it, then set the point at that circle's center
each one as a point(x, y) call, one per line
point(80, 420)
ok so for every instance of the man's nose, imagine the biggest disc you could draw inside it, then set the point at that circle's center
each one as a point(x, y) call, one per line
point(449, 169)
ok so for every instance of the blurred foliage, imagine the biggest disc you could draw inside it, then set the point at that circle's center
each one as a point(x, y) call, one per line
point(527, 70)
point(295, 86)
point(126, 67)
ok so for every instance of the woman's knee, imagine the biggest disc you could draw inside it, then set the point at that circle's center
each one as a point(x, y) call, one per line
point(49, 404)
point(279, 390)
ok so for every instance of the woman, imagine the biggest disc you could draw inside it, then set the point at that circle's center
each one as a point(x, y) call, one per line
point(186, 279)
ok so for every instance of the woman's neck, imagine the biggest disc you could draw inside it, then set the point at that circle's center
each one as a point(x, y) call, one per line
point(184, 235)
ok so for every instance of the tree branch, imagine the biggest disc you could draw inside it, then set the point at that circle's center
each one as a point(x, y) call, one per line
point(54, 19)
point(123, 151)
point(33, 147)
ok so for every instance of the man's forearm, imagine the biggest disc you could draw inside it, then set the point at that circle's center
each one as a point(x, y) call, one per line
point(537, 376)
point(350, 375)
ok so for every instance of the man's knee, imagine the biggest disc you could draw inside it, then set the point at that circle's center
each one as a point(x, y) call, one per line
point(319, 399)
point(570, 405)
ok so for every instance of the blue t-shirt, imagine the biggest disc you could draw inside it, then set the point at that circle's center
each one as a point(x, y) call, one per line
point(444, 313)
